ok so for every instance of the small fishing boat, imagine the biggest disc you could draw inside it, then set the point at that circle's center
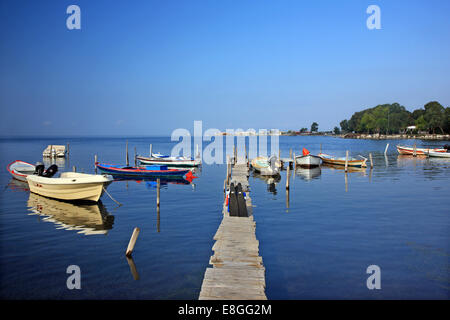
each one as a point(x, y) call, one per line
point(159, 159)
point(419, 151)
point(266, 166)
point(307, 160)
point(439, 154)
point(70, 186)
point(141, 171)
point(352, 162)
point(20, 170)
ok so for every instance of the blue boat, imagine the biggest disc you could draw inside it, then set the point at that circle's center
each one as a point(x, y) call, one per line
point(141, 171)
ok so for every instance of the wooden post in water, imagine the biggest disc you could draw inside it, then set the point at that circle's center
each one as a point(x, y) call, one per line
point(158, 192)
point(346, 161)
point(287, 177)
point(95, 163)
point(135, 155)
point(415, 150)
point(151, 152)
point(132, 242)
point(320, 148)
point(74, 169)
point(290, 153)
point(385, 150)
point(68, 150)
point(295, 163)
point(371, 162)
point(126, 150)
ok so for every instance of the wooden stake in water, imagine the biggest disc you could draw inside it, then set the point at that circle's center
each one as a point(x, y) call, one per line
point(385, 150)
point(287, 178)
point(346, 161)
point(95, 163)
point(415, 150)
point(295, 163)
point(132, 242)
point(371, 162)
point(151, 147)
point(158, 192)
point(126, 150)
point(74, 169)
point(68, 149)
point(135, 155)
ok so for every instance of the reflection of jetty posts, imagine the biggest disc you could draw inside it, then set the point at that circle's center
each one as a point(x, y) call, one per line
point(237, 272)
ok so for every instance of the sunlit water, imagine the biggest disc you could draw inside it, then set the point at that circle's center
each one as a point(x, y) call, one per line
point(317, 243)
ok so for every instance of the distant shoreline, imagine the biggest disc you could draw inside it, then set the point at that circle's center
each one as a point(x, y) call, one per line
point(366, 136)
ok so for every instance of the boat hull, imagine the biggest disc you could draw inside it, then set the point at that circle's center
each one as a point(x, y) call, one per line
point(308, 161)
point(75, 187)
point(118, 171)
point(341, 162)
point(168, 162)
point(419, 151)
point(439, 154)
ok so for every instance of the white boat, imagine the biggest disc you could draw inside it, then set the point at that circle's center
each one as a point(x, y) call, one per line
point(438, 154)
point(70, 186)
point(308, 161)
point(159, 159)
point(54, 151)
point(20, 169)
point(419, 151)
point(266, 166)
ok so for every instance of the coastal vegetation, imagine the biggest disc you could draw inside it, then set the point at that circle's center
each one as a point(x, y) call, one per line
point(394, 118)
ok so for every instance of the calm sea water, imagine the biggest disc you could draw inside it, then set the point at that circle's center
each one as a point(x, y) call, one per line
point(316, 244)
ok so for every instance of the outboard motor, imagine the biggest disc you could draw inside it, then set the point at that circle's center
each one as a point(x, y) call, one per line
point(50, 172)
point(39, 169)
point(273, 163)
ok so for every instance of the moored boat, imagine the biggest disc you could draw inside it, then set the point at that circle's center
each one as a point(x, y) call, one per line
point(70, 186)
point(141, 171)
point(266, 166)
point(307, 160)
point(158, 159)
point(20, 169)
point(439, 154)
point(419, 151)
point(352, 162)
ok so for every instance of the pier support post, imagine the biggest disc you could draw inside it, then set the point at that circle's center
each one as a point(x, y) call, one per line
point(385, 150)
point(371, 162)
point(95, 163)
point(151, 151)
point(132, 242)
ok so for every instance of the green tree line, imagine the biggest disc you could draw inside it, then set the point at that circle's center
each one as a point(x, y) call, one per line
point(394, 118)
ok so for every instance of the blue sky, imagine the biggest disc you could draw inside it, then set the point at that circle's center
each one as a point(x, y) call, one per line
point(149, 67)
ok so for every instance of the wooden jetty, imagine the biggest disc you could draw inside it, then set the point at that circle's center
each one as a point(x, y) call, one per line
point(237, 271)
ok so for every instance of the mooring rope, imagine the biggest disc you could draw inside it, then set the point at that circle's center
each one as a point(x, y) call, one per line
point(111, 196)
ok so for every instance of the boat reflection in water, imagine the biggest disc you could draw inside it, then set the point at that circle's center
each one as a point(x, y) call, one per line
point(308, 174)
point(88, 219)
point(152, 182)
point(271, 181)
point(338, 167)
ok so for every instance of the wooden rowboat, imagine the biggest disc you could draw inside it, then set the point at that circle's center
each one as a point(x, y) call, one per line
point(419, 151)
point(352, 162)
point(20, 170)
